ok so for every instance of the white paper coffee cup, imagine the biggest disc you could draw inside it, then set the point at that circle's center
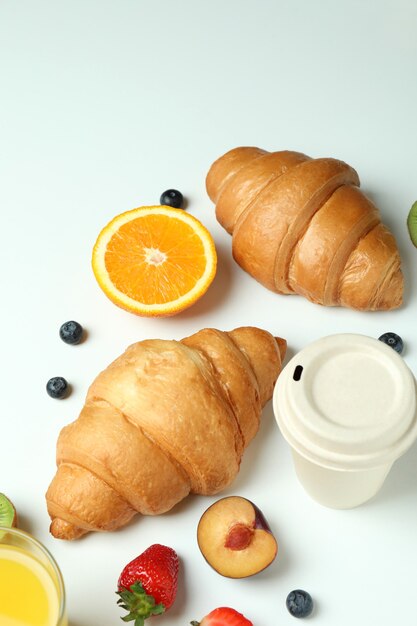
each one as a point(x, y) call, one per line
point(346, 404)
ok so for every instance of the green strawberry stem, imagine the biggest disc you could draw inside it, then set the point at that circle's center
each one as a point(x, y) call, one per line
point(194, 623)
point(139, 604)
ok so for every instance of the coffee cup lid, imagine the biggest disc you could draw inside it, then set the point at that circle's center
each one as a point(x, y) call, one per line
point(347, 401)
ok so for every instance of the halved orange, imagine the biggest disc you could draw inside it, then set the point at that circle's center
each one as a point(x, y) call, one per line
point(154, 260)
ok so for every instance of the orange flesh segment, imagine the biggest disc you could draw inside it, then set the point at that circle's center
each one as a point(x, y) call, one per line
point(154, 259)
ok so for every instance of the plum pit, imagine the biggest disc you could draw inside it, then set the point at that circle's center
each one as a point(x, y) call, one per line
point(238, 537)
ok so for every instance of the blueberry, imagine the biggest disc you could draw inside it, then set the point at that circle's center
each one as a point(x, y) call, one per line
point(57, 387)
point(392, 340)
point(71, 332)
point(172, 197)
point(299, 603)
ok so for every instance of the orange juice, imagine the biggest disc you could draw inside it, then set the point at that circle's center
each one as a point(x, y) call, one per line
point(31, 592)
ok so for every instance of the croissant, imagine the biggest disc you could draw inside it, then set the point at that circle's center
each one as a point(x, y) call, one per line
point(301, 225)
point(164, 419)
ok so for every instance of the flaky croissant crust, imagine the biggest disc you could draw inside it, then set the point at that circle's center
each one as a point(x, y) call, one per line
point(302, 225)
point(164, 419)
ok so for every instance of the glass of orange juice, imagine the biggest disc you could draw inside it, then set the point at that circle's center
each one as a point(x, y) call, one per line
point(31, 587)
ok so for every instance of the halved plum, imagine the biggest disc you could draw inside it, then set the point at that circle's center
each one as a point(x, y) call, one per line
point(235, 538)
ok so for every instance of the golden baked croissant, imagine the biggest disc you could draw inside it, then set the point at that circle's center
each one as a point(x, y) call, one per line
point(164, 419)
point(301, 225)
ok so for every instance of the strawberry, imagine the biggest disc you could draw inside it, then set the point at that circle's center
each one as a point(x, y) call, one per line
point(148, 584)
point(223, 616)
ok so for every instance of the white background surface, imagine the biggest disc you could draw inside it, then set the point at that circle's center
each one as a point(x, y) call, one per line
point(103, 105)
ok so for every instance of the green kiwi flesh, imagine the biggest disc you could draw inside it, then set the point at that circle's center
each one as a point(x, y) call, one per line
point(8, 516)
point(412, 223)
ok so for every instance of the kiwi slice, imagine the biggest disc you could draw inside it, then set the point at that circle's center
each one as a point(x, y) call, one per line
point(412, 223)
point(8, 517)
